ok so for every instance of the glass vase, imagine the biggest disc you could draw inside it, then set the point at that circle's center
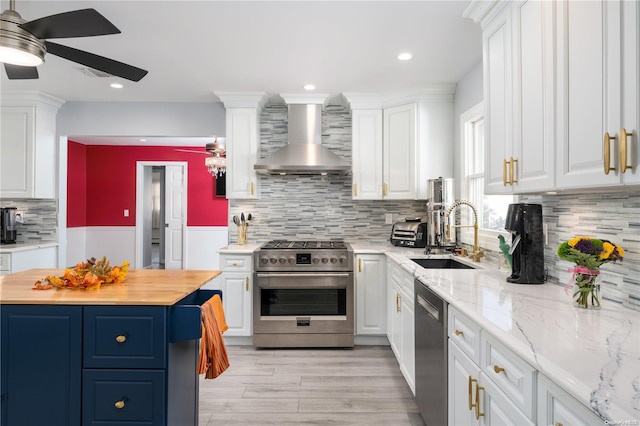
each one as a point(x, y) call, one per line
point(586, 291)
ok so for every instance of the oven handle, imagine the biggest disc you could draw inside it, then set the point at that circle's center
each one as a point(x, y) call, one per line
point(303, 275)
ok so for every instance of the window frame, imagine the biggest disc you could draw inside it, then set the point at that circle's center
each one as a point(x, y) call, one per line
point(487, 238)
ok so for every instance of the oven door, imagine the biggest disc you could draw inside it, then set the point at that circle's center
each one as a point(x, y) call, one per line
point(291, 302)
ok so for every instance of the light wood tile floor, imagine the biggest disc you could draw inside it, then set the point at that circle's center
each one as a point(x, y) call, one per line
point(362, 386)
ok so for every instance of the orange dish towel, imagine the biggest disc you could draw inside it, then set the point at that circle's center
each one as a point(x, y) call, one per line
point(213, 354)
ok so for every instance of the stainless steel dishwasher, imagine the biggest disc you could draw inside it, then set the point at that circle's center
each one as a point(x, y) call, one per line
point(431, 355)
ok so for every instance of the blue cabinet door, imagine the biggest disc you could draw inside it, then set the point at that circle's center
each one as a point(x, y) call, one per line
point(40, 369)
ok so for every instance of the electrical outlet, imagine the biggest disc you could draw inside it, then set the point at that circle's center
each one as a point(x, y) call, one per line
point(388, 218)
point(126, 212)
point(19, 216)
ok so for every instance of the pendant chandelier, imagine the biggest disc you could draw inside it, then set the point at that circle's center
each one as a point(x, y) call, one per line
point(217, 162)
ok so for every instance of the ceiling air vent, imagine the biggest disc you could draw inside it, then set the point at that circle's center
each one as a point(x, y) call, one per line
point(94, 73)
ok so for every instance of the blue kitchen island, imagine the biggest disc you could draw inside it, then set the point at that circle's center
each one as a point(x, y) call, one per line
point(123, 354)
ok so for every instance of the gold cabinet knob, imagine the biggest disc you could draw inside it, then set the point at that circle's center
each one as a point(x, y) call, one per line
point(120, 404)
point(497, 369)
point(121, 338)
point(458, 332)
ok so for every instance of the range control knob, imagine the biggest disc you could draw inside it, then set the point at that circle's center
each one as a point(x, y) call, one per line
point(325, 260)
point(283, 259)
point(291, 260)
point(334, 260)
point(264, 260)
point(315, 260)
point(273, 260)
point(343, 259)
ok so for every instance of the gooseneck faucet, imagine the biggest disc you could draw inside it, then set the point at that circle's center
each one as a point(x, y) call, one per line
point(477, 254)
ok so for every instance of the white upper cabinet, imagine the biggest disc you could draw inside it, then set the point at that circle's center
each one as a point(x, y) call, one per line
point(518, 48)
point(243, 141)
point(496, 46)
point(597, 93)
point(399, 143)
point(533, 62)
point(399, 152)
point(28, 145)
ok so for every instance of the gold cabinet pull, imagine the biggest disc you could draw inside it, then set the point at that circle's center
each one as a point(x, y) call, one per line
point(497, 369)
point(623, 150)
point(384, 189)
point(477, 404)
point(120, 404)
point(458, 332)
point(355, 189)
point(398, 304)
point(121, 338)
point(246, 283)
point(252, 188)
point(606, 151)
point(512, 171)
point(558, 424)
point(504, 171)
point(471, 381)
point(359, 265)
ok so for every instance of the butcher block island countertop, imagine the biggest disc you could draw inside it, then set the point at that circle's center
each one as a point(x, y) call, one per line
point(155, 287)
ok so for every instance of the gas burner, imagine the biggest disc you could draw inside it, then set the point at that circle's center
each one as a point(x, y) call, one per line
point(286, 244)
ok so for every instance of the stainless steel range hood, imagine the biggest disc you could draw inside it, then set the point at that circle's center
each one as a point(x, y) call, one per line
point(304, 154)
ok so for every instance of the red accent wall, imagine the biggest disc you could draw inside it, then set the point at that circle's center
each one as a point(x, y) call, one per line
point(76, 185)
point(110, 185)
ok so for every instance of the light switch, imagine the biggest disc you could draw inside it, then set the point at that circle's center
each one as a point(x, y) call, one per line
point(388, 218)
point(126, 212)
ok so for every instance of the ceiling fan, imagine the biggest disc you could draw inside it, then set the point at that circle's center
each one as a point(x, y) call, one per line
point(23, 44)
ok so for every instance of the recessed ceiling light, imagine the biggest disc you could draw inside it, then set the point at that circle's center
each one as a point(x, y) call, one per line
point(116, 85)
point(142, 140)
point(405, 56)
point(309, 87)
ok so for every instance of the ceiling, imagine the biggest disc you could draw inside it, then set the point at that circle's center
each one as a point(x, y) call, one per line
point(193, 49)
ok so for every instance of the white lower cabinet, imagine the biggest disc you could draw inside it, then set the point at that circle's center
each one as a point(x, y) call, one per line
point(400, 320)
point(557, 407)
point(371, 309)
point(236, 283)
point(492, 386)
point(45, 257)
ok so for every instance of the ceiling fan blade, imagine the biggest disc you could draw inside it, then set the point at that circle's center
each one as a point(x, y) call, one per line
point(76, 23)
point(193, 151)
point(17, 72)
point(97, 62)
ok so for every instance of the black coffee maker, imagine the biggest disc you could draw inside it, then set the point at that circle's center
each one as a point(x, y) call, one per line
point(8, 232)
point(524, 221)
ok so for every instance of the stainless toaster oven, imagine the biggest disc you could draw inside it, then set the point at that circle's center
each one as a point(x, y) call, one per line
point(409, 234)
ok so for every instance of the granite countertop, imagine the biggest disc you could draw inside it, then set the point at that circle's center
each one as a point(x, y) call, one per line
point(11, 248)
point(593, 355)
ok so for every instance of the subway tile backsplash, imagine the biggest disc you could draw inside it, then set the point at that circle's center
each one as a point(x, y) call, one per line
point(40, 219)
point(316, 207)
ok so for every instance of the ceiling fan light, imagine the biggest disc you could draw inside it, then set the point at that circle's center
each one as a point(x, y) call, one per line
point(11, 55)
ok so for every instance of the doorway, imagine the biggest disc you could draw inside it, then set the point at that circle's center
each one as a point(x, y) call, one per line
point(161, 189)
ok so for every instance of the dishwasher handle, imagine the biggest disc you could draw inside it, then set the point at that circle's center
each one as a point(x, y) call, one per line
point(429, 308)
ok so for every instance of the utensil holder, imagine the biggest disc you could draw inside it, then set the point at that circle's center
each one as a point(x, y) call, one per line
point(242, 234)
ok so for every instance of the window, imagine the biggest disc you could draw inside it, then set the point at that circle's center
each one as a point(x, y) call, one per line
point(492, 209)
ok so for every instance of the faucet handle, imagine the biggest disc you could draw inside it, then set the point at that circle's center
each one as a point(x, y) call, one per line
point(476, 255)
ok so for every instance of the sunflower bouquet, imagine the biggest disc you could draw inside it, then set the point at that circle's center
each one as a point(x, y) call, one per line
point(588, 254)
point(89, 275)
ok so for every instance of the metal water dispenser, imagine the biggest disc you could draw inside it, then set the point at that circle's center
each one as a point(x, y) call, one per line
point(440, 199)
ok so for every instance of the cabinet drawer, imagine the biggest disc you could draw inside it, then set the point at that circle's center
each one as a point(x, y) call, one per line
point(124, 337)
point(515, 377)
point(231, 262)
point(123, 397)
point(465, 333)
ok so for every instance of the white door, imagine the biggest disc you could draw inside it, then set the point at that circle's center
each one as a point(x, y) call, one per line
point(174, 217)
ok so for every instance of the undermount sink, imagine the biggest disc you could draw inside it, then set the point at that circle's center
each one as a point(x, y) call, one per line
point(431, 263)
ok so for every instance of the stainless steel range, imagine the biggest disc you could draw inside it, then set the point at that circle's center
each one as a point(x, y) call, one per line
point(303, 294)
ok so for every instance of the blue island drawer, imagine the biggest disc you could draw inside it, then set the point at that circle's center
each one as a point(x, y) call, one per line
point(124, 397)
point(124, 337)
